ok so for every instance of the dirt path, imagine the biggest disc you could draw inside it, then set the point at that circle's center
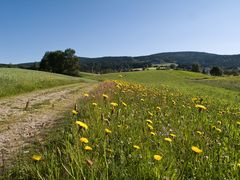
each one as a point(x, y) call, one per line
point(19, 125)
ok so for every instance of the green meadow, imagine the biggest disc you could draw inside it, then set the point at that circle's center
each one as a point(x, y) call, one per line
point(145, 125)
point(225, 89)
point(15, 81)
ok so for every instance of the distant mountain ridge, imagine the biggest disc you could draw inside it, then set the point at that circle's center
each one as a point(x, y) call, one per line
point(191, 57)
point(187, 58)
point(184, 57)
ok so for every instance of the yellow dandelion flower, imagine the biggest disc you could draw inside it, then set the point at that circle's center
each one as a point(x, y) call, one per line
point(153, 133)
point(84, 140)
point(108, 131)
point(87, 148)
point(136, 147)
point(86, 95)
point(218, 129)
point(82, 124)
point(214, 127)
point(74, 112)
point(157, 157)
point(173, 135)
point(174, 102)
point(94, 104)
point(124, 104)
point(196, 150)
point(36, 157)
point(168, 139)
point(201, 107)
point(200, 133)
point(150, 127)
point(149, 121)
point(105, 96)
point(114, 104)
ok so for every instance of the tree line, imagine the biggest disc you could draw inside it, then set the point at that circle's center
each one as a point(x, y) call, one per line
point(67, 62)
point(63, 62)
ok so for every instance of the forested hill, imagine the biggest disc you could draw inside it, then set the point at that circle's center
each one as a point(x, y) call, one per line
point(181, 58)
point(121, 63)
point(188, 57)
point(205, 59)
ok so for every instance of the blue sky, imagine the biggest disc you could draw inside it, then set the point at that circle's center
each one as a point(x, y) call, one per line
point(29, 28)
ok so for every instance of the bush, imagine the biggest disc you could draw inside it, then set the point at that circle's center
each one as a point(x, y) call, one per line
point(216, 71)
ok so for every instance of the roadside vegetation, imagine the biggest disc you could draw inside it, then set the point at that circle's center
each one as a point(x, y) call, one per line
point(145, 125)
point(224, 89)
point(15, 81)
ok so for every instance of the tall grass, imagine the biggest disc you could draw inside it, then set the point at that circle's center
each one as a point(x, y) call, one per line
point(225, 89)
point(138, 132)
point(15, 81)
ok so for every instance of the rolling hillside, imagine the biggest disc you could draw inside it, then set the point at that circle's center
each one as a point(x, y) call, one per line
point(184, 58)
point(15, 81)
point(124, 63)
point(144, 125)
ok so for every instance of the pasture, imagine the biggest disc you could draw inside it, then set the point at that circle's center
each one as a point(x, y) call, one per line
point(15, 81)
point(225, 89)
point(145, 125)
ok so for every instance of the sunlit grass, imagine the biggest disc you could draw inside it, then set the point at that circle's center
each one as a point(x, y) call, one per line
point(130, 131)
point(226, 89)
point(16, 81)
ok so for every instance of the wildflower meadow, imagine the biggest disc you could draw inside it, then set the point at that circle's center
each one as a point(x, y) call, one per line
point(126, 130)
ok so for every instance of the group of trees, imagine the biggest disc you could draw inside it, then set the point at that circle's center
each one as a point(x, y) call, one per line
point(214, 71)
point(107, 64)
point(66, 62)
point(63, 62)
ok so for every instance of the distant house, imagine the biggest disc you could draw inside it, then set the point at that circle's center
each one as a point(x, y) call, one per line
point(163, 67)
point(137, 69)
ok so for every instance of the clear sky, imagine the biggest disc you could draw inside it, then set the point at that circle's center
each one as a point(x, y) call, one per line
point(29, 28)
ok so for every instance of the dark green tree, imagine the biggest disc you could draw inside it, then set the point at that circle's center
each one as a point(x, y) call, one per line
point(196, 68)
point(216, 71)
point(173, 66)
point(60, 62)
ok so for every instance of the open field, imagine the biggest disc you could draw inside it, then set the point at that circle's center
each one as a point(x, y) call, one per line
point(32, 102)
point(26, 117)
point(16, 81)
point(226, 89)
point(147, 125)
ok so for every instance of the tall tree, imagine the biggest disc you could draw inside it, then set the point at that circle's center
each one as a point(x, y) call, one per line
point(196, 68)
point(216, 71)
point(60, 62)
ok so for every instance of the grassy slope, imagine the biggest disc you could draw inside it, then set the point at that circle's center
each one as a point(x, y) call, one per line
point(113, 156)
point(15, 81)
point(227, 89)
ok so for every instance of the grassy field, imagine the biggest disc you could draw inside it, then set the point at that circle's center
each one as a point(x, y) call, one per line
point(226, 89)
point(146, 125)
point(15, 81)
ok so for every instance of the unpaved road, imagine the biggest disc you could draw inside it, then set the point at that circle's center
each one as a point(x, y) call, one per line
point(18, 126)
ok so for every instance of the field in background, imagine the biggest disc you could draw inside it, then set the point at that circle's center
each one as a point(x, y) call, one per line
point(16, 81)
point(226, 89)
point(146, 125)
